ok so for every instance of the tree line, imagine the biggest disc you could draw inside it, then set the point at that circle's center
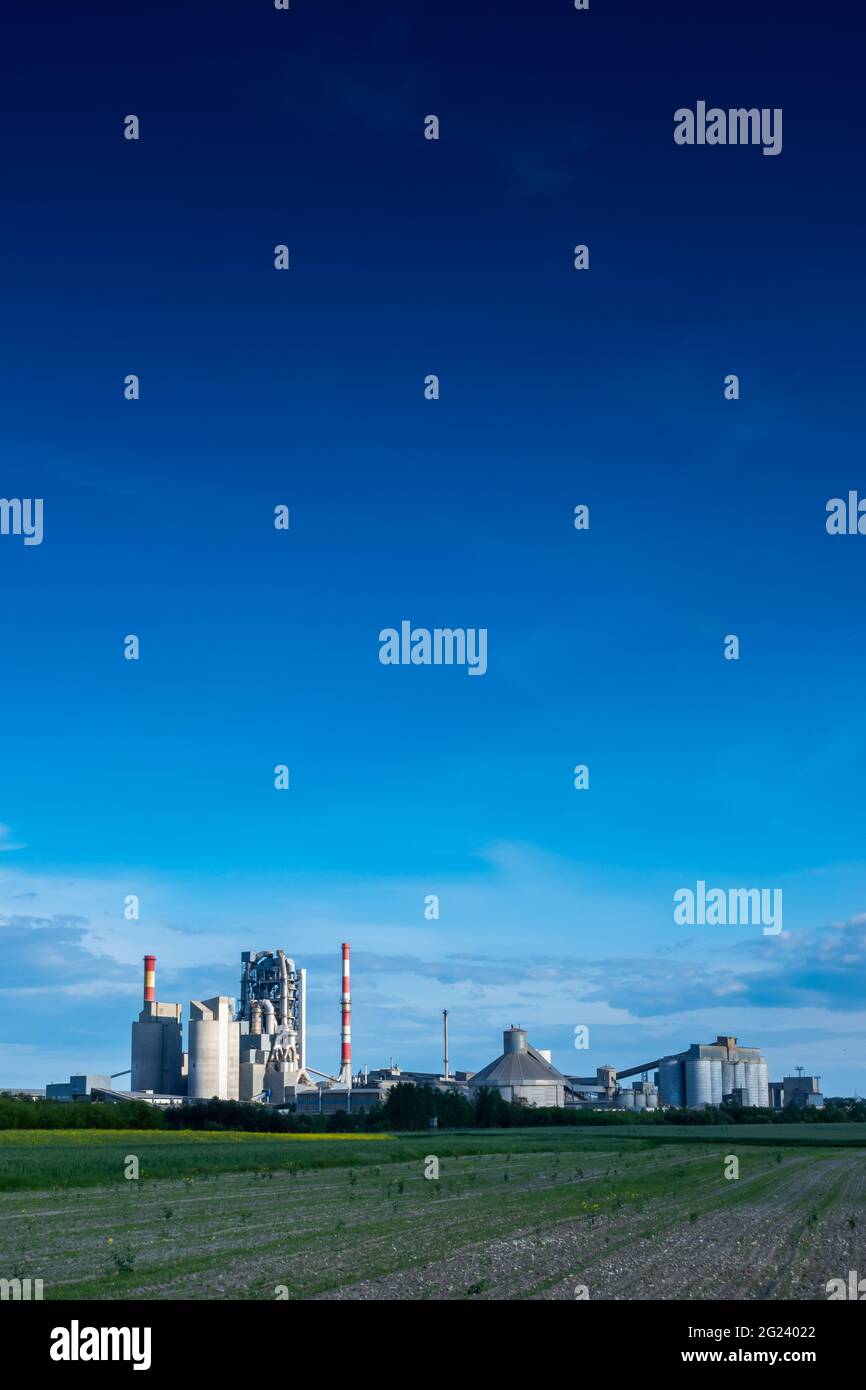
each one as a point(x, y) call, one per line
point(406, 1107)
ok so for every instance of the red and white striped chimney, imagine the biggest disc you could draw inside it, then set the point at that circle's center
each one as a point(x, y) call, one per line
point(150, 979)
point(346, 1023)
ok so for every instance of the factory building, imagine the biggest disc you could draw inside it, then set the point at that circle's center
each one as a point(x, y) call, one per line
point(796, 1090)
point(521, 1073)
point(602, 1091)
point(597, 1092)
point(112, 1096)
point(257, 1053)
point(272, 1027)
point(387, 1077)
point(641, 1095)
point(78, 1087)
point(157, 1042)
point(329, 1100)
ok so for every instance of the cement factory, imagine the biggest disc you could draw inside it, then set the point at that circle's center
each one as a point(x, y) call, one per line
point(254, 1049)
point(256, 1052)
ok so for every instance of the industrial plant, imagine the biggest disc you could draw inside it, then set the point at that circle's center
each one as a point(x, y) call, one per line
point(253, 1048)
point(707, 1074)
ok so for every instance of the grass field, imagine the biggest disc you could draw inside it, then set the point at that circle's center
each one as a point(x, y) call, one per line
point(513, 1214)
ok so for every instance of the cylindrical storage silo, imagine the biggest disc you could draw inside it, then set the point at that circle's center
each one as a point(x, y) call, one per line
point(756, 1083)
point(652, 1100)
point(514, 1040)
point(639, 1100)
point(763, 1085)
point(699, 1090)
point(625, 1100)
point(752, 1082)
point(716, 1080)
point(205, 1060)
point(739, 1076)
point(671, 1082)
point(728, 1082)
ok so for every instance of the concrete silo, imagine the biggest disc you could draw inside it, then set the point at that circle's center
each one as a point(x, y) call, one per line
point(671, 1082)
point(699, 1086)
point(214, 1050)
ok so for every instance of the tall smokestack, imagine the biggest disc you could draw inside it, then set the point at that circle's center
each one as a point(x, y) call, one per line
point(346, 1023)
point(150, 979)
point(445, 1030)
point(302, 1041)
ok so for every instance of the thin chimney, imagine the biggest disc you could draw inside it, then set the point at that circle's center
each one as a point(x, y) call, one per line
point(346, 1023)
point(150, 979)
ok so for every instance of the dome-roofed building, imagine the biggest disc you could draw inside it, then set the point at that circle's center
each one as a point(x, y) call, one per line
point(522, 1073)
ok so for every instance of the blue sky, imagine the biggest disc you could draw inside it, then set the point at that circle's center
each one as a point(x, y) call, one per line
point(557, 388)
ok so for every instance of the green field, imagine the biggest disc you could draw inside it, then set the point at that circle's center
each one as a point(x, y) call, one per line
point(31, 1160)
point(513, 1214)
